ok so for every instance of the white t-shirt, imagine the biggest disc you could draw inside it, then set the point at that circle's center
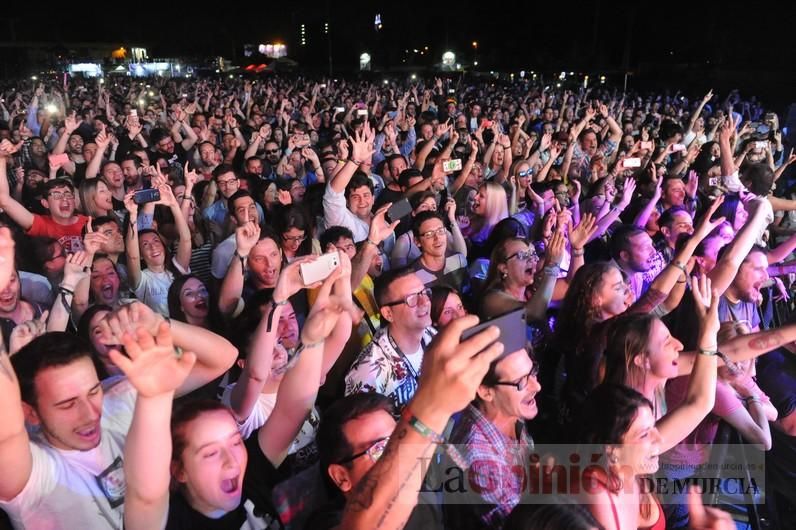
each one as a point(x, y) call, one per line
point(263, 409)
point(79, 489)
point(153, 288)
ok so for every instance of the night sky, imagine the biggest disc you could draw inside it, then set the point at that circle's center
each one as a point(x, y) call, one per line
point(682, 39)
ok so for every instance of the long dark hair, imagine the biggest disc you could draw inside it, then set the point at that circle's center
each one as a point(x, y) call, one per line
point(214, 319)
point(627, 336)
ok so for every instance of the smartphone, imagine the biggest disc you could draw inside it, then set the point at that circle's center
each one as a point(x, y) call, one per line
point(761, 145)
point(133, 112)
point(451, 91)
point(323, 85)
point(713, 181)
point(512, 330)
point(58, 160)
point(146, 195)
point(449, 166)
point(649, 146)
point(320, 269)
point(631, 162)
point(678, 147)
point(487, 123)
point(398, 210)
point(339, 109)
point(362, 112)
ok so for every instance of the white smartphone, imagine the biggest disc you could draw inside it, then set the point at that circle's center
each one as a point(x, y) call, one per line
point(339, 109)
point(362, 112)
point(631, 162)
point(761, 145)
point(320, 269)
point(678, 147)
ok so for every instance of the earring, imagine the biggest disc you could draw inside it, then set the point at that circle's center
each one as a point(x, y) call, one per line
point(613, 459)
point(503, 275)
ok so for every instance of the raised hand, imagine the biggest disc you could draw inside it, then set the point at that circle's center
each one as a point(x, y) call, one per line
point(284, 197)
point(627, 192)
point(246, 236)
point(27, 331)
point(77, 267)
point(152, 364)
point(581, 234)
point(706, 303)
point(127, 319)
point(703, 517)
point(190, 176)
point(691, 184)
point(130, 205)
point(71, 123)
point(362, 145)
point(7, 149)
point(380, 229)
point(706, 226)
point(554, 251)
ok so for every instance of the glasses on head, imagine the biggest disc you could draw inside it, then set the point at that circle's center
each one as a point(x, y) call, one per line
point(522, 382)
point(526, 173)
point(524, 255)
point(58, 195)
point(431, 233)
point(293, 239)
point(411, 300)
point(375, 451)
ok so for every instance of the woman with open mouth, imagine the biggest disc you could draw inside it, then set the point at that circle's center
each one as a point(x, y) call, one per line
point(190, 302)
point(222, 481)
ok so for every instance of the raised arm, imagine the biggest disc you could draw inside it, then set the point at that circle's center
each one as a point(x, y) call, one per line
point(452, 371)
point(299, 388)
point(131, 242)
point(18, 213)
point(362, 151)
point(246, 236)
point(727, 267)
point(184, 243)
point(261, 353)
point(701, 394)
point(15, 456)
point(156, 370)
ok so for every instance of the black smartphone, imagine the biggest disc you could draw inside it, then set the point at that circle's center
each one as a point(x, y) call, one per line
point(398, 210)
point(146, 195)
point(512, 330)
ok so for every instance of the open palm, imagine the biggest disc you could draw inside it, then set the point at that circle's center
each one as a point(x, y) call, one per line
point(153, 366)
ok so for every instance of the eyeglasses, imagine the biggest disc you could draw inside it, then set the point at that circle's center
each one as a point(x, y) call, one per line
point(271, 151)
point(293, 239)
point(431, 233)
point(227, 183)
point(524, 255)
point(412, 299)
point(526, 173)
point(522, 382)
point(375, 451)
point(57, 195)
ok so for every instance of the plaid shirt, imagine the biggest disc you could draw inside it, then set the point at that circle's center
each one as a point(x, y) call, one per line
point(496, 470)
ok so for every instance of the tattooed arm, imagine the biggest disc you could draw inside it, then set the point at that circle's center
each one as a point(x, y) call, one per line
point(452, 371)
point(744, 347)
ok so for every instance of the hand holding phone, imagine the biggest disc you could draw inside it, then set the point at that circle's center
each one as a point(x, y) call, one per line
point(449, 166)
point(649, 146)
point(628, 163)
point(319, 269)
point(398, 210)
point(512, 328)
point(146, 195)
point(678, 147)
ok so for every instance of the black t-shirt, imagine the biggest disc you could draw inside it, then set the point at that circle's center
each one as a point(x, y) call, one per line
point(776, 375)
point(255, 512)
point(387, 195)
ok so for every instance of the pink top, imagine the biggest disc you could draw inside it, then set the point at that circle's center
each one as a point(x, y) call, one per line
point(695, 448)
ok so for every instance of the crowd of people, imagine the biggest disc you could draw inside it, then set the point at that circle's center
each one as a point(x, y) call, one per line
point(170, 362)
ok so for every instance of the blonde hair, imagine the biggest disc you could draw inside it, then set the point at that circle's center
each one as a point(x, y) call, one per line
point(497, 208)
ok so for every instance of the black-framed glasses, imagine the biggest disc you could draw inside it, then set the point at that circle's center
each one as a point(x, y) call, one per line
point(374, 451)
point(293, 239)
point(411, 300)
point(524, 255)
point(522, 382)
point(58, 195)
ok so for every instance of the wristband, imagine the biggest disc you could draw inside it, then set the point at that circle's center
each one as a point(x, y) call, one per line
point(709, 353)
point(368, 240)
point(552, 270)
point(421, 428)
point(576, 252)
point(64, 291)
point(681, 267)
